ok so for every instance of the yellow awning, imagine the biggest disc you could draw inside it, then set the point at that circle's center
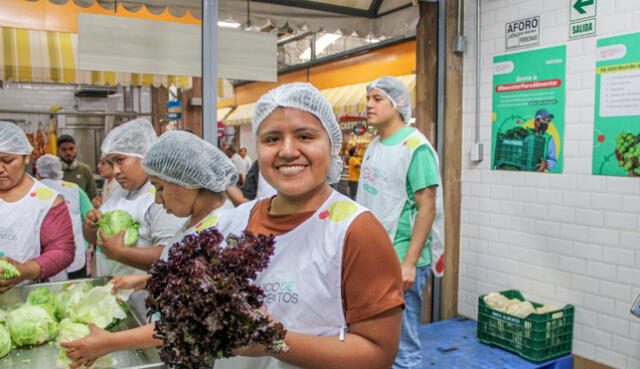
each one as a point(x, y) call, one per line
point(47, 56)
point(243, 114)
point(352, 99)
point(223, 112)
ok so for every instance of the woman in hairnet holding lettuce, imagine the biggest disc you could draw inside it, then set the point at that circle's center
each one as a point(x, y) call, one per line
point(190, 177)
point(36, 235)
point(124, 148)
point(332, 257)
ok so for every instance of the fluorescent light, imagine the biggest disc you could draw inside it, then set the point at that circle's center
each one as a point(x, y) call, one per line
point(228, 24)
point(321, 44)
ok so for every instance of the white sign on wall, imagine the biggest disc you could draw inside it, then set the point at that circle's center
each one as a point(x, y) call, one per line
point(522, 33)
point(582, 18)
point(130, 45)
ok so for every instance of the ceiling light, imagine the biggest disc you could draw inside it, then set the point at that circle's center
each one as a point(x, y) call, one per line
point(228, 24)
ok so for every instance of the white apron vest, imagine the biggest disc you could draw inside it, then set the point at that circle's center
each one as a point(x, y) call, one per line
point(383, 188)
point(303, 282)
point(71, 193)
point(137, 207)
point(209, 221)
point(20, 224)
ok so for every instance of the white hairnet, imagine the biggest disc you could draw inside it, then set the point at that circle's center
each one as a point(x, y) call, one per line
point(305, 97)
point(132, 139)
point(49, 166)
point(395, 91)
point(188, 161)
point(13, 140)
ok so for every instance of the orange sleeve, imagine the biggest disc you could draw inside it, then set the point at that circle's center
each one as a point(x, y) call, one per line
point(371, 277)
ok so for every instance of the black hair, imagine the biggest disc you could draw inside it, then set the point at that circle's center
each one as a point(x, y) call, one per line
point(65, 138)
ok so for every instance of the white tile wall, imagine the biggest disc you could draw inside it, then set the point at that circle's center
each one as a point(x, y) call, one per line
point(571, 238)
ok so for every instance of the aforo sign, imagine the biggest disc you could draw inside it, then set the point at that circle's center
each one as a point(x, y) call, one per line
point(523, 32)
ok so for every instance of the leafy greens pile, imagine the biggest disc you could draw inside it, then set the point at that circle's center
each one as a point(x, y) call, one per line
point(518, 133)
point(207, 303)
point(36, 321)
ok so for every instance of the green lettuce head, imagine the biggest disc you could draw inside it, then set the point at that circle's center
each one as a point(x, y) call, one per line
point(70, 295)
point(98, 306)
point(5, 341)
point(114, 221)
point(44, 298)
point(10, 270)
point(31, 325)
point(70, 331)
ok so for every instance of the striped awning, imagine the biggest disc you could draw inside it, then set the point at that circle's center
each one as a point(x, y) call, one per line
point(47, 56)
point(223, 112)
point(243, 114)
point(352, 99)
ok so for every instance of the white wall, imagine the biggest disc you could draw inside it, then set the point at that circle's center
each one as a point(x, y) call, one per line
point(570, 238)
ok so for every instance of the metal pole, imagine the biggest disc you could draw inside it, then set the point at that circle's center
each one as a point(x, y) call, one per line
point(478, 80)
point(437, 282)
point(210, 71)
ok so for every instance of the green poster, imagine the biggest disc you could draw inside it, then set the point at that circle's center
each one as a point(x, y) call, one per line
point(528, 110)
point(616, 134)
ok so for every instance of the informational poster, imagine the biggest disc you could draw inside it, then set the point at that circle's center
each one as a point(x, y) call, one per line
point(528, 110)
point(616, 137)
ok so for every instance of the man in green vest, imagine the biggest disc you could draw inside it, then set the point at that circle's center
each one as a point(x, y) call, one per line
point(75, 171)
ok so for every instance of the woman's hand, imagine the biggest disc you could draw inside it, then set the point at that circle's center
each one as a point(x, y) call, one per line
point(125, 282)
point(408, 275)
point(92, 218)
point(97, 201)
point(256, 350)
point(88, 349)
point(251, 351)
point(28, 271)
point(112, 247)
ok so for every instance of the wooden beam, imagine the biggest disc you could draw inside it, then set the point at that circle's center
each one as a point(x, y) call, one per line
point(159, 110)
point(192, 115)
point(427, 70)
point(452, 162)
point(426, 97)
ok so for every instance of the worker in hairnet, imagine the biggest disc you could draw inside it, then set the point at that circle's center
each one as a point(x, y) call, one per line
point(49, 172)
point(399, 178)
point(124, 149)
point(190, 176)
point(348, 302)
point(36, 234)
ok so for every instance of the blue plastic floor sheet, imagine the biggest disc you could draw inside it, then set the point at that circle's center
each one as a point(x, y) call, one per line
point(452, 344)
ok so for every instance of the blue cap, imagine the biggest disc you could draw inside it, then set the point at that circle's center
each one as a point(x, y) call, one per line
point(543, 113)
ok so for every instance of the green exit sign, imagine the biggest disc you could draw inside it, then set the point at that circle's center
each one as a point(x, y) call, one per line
point(582, 18)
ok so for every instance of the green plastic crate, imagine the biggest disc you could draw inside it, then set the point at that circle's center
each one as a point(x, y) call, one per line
point(537, 338)
point(522, 154)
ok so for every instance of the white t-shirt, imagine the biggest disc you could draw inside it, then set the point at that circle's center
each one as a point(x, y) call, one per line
point(242, 164)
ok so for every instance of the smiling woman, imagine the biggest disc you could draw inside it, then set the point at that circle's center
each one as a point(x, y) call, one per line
point(339, 312)
point(37, 235)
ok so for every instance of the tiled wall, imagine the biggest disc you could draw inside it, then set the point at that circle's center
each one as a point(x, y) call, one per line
point(570, 238)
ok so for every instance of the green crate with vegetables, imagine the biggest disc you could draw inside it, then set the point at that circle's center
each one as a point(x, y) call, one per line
point(519, 149)
point(627, 152)
point(533, 331)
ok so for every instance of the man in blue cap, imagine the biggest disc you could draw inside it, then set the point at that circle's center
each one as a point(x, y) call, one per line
point(542, 120)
